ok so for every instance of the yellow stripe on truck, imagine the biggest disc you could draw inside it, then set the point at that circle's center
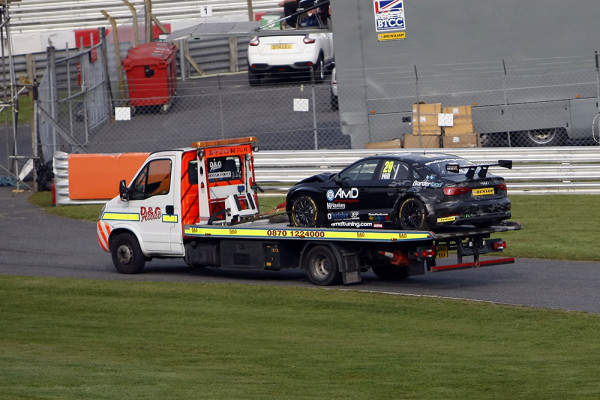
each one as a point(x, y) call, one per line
point(299, 233)
point(111, 216)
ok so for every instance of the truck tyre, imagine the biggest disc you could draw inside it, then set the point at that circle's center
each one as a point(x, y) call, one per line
point(126, 254)
point(305, 212)
point(411, 215)
point(390, 272)
point(321, 266)
point(540, 138)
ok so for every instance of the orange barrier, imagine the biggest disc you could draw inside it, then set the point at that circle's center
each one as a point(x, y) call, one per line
point(97, 176)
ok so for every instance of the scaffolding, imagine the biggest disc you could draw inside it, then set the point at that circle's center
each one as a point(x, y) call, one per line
point(9, 102)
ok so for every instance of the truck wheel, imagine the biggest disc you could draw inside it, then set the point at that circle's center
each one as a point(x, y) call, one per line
point(390, 272)
point(305, 212)
point(322, 266)
point(411, 215)
point(540, 137)
point(126, 254)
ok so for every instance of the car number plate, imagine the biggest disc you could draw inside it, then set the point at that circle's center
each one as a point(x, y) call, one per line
point(483, 191)
point(282, 46)
point(441, 251)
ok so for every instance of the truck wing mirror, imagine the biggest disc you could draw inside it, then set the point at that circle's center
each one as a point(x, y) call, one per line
point(123, 190)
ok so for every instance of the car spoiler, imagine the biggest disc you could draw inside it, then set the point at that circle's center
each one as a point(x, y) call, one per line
point(483, 168)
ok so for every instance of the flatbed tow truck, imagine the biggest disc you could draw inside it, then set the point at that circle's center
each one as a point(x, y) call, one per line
point(200, 204)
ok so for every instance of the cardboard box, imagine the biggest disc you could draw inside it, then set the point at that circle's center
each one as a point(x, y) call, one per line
point(464, 140)
point(426, 125)
point(389, 144)
point(433, 108)
point(461, 127)
point(426, 142)
point(459, 111)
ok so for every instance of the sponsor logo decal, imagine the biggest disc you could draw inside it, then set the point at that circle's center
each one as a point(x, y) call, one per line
point(427, 184)
point(342, 194)
point(353, 224)
point(446, 219)
point(336, 206)
point(150, 213)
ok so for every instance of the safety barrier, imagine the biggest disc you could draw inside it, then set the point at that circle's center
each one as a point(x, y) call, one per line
point(553, 170)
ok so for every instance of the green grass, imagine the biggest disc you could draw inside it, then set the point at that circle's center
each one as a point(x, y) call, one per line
point(25, 111)
point(555, 226)
point(81, 339)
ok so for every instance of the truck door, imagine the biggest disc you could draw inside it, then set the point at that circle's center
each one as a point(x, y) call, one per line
point(153, 199)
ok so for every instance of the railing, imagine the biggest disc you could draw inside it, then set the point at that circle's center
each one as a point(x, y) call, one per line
point(535, 170)
point(555, 170)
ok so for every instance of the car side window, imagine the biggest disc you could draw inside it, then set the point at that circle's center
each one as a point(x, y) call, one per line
point(154, 179)
point(362, 171)
point(394, 170)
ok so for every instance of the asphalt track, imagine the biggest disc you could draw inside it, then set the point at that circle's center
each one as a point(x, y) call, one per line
point(33, 243)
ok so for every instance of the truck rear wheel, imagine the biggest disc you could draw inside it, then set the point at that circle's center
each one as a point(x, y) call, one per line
point(322, 267)
point(126, 254)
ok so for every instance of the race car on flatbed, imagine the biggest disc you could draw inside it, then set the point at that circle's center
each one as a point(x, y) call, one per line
point(200, 204)
point(403, 191)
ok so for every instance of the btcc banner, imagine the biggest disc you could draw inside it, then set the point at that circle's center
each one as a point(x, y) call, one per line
point(389, 19)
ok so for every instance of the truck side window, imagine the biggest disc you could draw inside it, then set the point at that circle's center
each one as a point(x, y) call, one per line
point(154, 179)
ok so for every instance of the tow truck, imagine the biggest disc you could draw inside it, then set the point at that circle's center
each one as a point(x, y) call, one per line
point(200, 204)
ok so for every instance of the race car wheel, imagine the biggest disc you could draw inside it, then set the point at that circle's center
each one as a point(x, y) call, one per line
point(411, 215)
point(322, 266)
point(390, 272)
point(305, 212)
point(126, 254)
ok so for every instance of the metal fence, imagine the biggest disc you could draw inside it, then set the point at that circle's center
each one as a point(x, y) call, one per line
point(551, 170)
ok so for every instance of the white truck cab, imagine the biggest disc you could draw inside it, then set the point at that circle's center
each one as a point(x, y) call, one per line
point(210, 183)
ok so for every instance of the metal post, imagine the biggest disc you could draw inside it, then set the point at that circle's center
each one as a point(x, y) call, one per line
point(418, 102)
point(314, 106)
point(53, 92)
point(505, 102)
point(182, 65)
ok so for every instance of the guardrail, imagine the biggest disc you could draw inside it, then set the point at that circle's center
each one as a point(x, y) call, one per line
point(552, 170)
point(535, 170)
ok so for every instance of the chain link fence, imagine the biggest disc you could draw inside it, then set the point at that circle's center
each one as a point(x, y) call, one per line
point(506, 103)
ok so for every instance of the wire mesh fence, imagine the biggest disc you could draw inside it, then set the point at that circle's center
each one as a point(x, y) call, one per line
point(498, 103)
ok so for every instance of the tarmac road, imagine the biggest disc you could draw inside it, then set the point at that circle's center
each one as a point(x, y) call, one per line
point(33, 243)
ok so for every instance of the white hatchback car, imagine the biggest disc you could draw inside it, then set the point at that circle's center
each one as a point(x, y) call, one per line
point(293, 54)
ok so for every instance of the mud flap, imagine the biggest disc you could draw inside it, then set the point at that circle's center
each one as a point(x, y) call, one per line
point(349, 266)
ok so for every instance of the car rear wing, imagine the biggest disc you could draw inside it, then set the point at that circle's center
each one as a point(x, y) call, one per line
point(483, 168)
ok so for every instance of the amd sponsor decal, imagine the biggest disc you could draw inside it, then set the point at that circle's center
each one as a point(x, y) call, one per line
point(342, 194)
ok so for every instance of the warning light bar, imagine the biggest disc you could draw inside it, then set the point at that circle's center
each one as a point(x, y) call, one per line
point(224, 142)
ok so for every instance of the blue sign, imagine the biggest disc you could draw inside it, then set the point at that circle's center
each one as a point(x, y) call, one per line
point(389, 15)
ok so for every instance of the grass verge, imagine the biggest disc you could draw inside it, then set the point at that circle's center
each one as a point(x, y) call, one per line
point(74, 339)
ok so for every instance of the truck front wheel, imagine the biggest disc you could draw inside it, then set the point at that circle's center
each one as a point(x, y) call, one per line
point(126, 254)
point(322, 267)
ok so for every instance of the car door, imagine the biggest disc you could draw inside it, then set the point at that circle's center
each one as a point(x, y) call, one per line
point(348, 193)
point(390, 182)
point(153, 200)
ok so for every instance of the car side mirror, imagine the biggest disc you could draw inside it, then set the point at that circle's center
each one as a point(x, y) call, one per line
point(505, 163)
point(123, 190)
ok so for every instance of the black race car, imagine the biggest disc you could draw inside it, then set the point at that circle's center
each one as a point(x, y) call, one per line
point(412, 191)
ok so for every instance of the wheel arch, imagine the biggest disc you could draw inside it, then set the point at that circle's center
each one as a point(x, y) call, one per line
point(120, 230)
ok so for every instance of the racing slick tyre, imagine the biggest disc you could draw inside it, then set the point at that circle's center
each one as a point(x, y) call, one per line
point(411, 215)
point(390, 272)
point(305, 212)
point(126, 254)
point(321, 266)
